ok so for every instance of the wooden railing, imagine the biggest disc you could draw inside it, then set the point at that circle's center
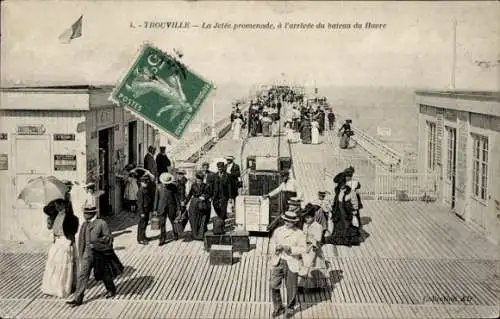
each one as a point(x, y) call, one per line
point(382, 154)
point(196, 145)
point(397, 186)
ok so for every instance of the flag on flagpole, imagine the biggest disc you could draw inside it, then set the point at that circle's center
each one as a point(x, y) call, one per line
point(73, 32)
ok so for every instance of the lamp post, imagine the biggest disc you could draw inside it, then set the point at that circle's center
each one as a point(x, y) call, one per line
point(214, 133)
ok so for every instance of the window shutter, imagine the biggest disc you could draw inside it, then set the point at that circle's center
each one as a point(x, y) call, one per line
point(439, 140)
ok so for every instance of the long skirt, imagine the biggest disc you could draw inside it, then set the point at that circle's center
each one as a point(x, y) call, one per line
point(236, 130)
point(314, 135)
point(317, 270)
point(60, 270)
point(344, 141)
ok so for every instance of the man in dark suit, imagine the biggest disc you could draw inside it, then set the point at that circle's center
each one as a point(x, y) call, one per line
point(144, 207)
point(93, 232)
point(222, 191)
point(234, 172)
point(331, 120)
point(150, 163)
point(209, 179)
point(162, 161)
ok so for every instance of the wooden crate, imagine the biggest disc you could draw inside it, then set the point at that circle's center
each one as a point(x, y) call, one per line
point(239, 240)
point(211, 239)
point(221, 255)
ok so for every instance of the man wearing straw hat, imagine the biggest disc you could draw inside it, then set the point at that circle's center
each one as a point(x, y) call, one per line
point(290, 243)
point(166, 204)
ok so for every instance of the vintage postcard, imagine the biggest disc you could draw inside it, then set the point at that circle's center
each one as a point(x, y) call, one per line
point(238, 159)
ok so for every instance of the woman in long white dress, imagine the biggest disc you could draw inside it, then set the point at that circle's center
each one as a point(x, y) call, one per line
point(59, 277)
point(237, 123)
point(314, 132)
point(316, 269)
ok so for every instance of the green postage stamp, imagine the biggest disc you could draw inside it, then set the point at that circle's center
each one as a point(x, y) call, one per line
point(162, 91)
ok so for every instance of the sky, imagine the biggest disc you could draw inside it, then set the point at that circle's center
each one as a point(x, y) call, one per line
point(413, 50)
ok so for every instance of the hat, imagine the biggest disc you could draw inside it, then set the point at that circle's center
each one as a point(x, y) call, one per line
point(229, 157)
point(220, 164)
point(339, 178)
point(205, 164)
point(290, 216)
point(180, 171)
point(166, 178)
point(322, 193)
point(349, 171)
point(90, 210)
point(162, 148)
point(200, 175)
point(295, 202)
point(88, 185)
point(145, 177)
point(67, 183)
point(285, 172)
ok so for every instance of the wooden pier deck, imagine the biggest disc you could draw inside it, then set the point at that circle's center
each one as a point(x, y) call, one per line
point(413, 252)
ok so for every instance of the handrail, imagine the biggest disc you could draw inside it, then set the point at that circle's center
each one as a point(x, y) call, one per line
point(360, 135)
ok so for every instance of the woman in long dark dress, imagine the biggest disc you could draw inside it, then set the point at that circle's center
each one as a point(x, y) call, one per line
point(199, 206)
point(338, 217)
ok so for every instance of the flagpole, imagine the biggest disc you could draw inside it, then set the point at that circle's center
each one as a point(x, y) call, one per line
point(454, 56)
point(213, 116)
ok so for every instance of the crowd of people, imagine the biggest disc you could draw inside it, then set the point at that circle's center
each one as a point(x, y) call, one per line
point(331, 218)
point(159, 192)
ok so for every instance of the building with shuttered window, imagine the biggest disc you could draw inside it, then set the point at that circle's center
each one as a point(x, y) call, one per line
point(70, 132)
point(459, 139)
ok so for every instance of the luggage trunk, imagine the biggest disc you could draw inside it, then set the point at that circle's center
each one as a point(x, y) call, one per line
point(221, 255)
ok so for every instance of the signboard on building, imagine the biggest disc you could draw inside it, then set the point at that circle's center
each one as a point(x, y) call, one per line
point(30, 130)
point(64, 162)
point(64, 137)
point(105, 117)
point(162, 91)
point(4, 162)
point(383, 131)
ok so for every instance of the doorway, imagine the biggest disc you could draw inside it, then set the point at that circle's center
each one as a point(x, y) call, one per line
point(451, 166)
point(105, 152)
point(132, 142)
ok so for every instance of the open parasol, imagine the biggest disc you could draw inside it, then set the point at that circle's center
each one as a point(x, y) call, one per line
point(42, 190)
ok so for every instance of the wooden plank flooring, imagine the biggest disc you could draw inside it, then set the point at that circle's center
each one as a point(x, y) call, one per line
point(414, 252)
